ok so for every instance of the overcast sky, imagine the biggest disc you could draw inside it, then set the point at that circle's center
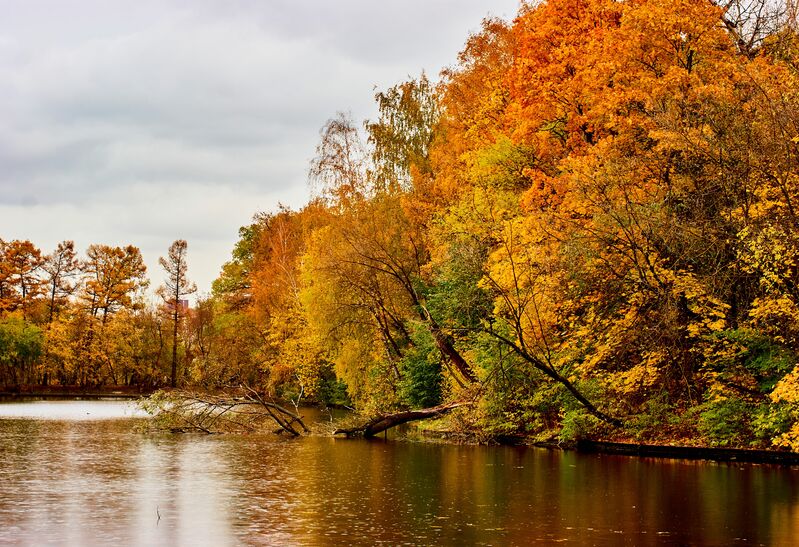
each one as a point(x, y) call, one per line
point(148, 121)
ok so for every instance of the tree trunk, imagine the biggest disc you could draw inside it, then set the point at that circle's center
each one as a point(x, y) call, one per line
point(446, 346)
point(174, 382)
point(383, 423)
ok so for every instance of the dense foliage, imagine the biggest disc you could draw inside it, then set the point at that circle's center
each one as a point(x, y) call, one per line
point(85, 322)
point(587, 226)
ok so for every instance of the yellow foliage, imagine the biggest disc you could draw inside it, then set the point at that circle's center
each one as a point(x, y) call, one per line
point(787, 391)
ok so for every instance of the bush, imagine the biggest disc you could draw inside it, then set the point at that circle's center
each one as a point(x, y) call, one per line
point(724, 421)
point(656, 414)
point(578, 425)
point(762, 357)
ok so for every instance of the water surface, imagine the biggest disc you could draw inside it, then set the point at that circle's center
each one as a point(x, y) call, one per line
point(69, 409)
point(91, 479)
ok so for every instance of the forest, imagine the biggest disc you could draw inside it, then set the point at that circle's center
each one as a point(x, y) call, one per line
point(585, 228)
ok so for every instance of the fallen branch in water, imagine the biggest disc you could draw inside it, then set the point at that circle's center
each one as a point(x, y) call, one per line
point(284, 417)
point(387, 421)
point(241, 410)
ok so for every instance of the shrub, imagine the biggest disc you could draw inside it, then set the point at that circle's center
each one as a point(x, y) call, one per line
point(723, 421)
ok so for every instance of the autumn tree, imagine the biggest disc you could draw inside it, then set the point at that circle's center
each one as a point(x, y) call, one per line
point(337, 170)
point(588, 226)
point(5, 281)
point(62, 268)
point(175, 287)
point(112, 277)
point(375, 248)
point(634, 172)
point(112, 280)
point(20, 278)
point(234, 284)
point(402, 135)
point(750, 22)
point(202, 332)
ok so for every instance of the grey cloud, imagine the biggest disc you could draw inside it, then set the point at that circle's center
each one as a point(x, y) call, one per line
point(141, 122)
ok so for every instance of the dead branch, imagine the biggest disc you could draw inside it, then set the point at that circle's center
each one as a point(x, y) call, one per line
point(181, 410)
point(278, 413)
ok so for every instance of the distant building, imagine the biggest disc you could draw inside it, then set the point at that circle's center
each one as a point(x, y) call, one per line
point(183, 305)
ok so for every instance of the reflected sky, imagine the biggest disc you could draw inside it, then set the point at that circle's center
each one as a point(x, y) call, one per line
point(82, 482)
point(99, 409)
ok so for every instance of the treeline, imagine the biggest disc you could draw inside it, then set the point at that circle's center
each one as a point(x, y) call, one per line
point(588, 227)
point(86, 322)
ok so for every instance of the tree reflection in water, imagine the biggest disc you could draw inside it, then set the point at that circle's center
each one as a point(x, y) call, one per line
point(92, 482)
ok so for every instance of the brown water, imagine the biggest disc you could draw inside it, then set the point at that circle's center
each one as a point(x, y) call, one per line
point(72, 478)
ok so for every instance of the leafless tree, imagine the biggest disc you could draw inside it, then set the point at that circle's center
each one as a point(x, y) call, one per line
point(752, 21)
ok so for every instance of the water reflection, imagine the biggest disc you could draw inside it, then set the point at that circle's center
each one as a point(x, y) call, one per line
point(69, 409)
point(82, 482)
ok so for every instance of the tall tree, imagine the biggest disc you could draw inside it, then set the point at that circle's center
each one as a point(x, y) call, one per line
point(112, 276)
point(402, 135)
point(6, 290)
point(175, 287)
point(61, 267)
point(22, 262)
point(337, 172)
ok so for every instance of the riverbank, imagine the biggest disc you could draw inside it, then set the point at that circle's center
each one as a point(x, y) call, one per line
point(417, 432)
point(119, 392)
point(776, 457)
point(639, 450)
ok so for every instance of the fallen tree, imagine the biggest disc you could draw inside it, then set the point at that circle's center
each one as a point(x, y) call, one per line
point(387, 421)
point(246, 410)
point(243, 409)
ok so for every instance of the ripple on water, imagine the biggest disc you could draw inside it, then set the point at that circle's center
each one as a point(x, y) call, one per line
point(92, 482)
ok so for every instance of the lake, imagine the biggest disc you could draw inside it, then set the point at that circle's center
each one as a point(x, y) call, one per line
point(79, 473)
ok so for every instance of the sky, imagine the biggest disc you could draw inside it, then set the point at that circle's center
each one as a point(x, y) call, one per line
point(145, 122)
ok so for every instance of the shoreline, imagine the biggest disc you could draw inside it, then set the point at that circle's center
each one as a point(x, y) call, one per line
point(727, 455)
point(781, 458)
point(60, 392)
point(663, 451)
